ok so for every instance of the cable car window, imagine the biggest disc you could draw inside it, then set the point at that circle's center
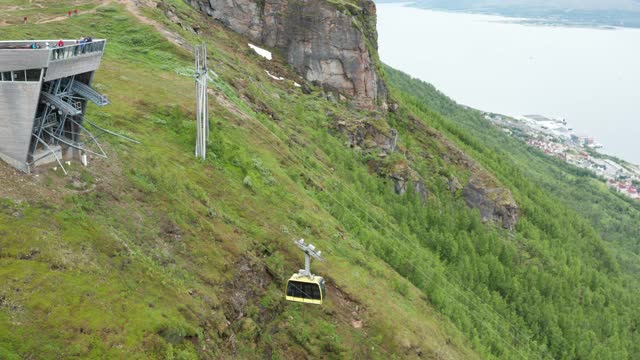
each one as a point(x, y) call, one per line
point(315, 292)
point(303, 290)
point(323, 289)
point(6, 76)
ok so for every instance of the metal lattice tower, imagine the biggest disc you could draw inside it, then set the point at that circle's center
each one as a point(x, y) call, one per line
point(309, 252)
point(202, 101)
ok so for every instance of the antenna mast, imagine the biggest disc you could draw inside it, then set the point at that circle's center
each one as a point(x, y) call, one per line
point(202, 101)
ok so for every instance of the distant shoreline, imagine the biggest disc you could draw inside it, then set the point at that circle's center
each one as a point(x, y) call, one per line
point(524, 19)
point(512, 68)
point(553, 137)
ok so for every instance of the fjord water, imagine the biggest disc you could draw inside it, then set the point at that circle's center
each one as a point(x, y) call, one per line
point(589, 76)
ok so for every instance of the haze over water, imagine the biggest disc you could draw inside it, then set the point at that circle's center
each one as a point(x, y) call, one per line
point(589, 76)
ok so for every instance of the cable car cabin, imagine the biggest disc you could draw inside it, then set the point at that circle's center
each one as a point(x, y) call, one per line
point(307, 290)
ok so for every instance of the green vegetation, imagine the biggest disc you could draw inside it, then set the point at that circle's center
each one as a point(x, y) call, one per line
point(168, 257)
point(615, 217)
point(577, 240)
point(38, 11)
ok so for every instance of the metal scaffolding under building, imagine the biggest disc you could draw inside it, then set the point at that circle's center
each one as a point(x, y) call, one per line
point(44, 93)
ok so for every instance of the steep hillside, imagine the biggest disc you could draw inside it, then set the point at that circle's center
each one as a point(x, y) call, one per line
point(615, 217)
point(573, 228)
point(154, 254)
point(438, 245)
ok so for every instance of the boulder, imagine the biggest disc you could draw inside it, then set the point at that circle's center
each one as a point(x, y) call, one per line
point(404, 176)
point(454, 184)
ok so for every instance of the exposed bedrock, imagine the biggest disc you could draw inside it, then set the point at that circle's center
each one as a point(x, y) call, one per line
point(332, 45)
point(495, 204)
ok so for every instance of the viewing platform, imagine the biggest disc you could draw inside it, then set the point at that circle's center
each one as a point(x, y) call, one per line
point(73, 57)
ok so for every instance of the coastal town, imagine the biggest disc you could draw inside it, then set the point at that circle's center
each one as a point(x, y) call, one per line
point(554, 137)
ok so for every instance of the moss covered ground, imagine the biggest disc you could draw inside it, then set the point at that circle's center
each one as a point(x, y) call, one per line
point(153, 254)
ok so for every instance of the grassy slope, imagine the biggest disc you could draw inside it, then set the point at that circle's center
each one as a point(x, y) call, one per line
point(170, 257)
point(159, 259)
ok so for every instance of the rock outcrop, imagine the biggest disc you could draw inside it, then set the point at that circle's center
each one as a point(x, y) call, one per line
point(366, 136)
point(403, 176)
point(482, 190)
point(495, 204)
point(332, 45)
point(382, 141)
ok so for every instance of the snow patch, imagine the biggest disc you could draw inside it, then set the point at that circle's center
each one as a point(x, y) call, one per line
point(262, 52)
point(273, 76)
point(296, 84)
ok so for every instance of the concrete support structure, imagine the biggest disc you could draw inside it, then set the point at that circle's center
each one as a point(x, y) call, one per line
point(41, 111)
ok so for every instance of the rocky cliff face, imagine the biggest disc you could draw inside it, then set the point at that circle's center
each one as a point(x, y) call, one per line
point(332, 45)
point(496, 204)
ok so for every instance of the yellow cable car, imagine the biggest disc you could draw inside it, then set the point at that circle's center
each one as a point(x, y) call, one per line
point(301, 288)
point(304, 287)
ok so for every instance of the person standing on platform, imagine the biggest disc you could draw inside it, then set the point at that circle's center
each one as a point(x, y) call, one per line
point(60, 49)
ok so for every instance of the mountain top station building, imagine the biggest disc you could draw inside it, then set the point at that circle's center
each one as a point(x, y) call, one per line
point(44, 90)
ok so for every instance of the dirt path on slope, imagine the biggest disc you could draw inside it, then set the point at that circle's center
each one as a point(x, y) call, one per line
point(45, 20)
point(64, 17)
point(132, 6)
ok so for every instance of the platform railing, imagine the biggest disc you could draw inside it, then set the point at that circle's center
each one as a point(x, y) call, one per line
point(70, 51)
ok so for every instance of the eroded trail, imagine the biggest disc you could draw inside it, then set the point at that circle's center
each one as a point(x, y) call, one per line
point(133, 6)
point(13, 15)
point(40, 13)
